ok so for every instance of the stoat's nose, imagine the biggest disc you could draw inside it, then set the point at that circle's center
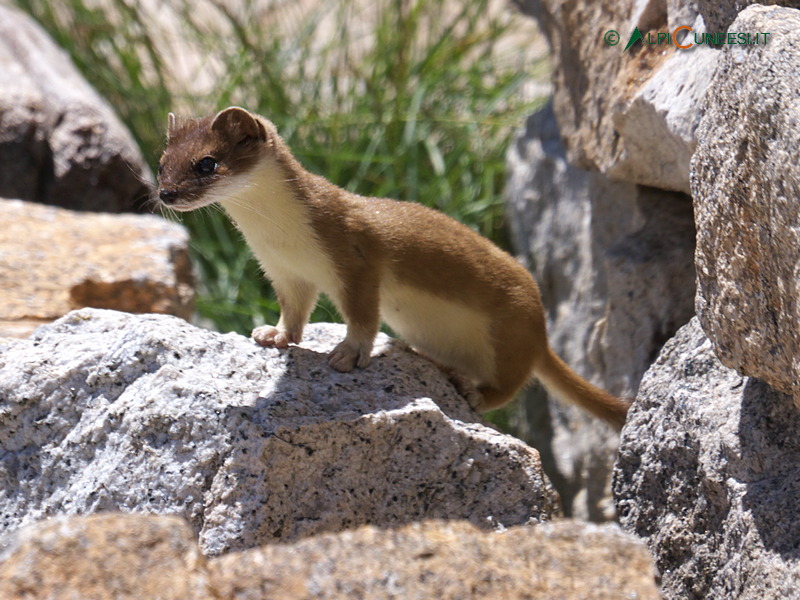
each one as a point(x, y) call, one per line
point(167, 196)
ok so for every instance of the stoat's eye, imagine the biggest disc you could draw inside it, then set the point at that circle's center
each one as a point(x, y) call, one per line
point(206, 165)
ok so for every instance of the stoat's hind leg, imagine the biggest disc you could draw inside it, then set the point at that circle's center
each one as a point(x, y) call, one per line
point(465, 386)
point(514, 359)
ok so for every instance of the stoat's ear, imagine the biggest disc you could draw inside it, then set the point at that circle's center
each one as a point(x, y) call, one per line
point(171, 124)
point(238, 122)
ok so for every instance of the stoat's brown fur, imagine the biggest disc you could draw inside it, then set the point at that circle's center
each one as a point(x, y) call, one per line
point(450, 293)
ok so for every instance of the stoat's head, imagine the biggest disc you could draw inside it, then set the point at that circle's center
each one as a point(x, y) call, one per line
point(201, 154)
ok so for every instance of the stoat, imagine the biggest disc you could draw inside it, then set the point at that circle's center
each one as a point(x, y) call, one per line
point(451, 294)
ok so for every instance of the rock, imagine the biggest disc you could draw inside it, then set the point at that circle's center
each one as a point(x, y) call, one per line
point(630, 115)
point(709, 474)
point(136, 556)
point(720, 15)
point(55, 260)
point(447, 560)
point(614, 262)
point(145, 413)
point(60, 142)
point(745, 184)
point(104, 557)
point(655, 128)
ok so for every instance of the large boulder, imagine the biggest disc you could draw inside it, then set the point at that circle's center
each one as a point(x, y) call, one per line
point(709, 474)
point(745, 184)
point(104, 557)
point(614, 262)
point(705, 472)
point(55, 260)
point(632, 114)
point(126, 557)
point(104, 410)
point(60, 142)
point(448, 560)
point(719, 15)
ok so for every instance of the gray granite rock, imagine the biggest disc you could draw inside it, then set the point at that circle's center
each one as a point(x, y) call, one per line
point(58, 138)
point(108, 411)
point(745, 184)
point(709, 474)
point(614, 262)
point(719, 15)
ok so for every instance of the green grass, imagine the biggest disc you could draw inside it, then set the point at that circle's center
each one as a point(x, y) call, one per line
point(419, 106)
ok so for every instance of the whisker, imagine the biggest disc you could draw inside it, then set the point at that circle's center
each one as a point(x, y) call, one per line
point(206, 212)
point(144, 201)
point(216, 207)
point(138, 174)
point(169, 213)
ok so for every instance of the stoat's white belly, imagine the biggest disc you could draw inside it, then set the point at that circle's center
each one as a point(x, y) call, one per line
point(447, 331)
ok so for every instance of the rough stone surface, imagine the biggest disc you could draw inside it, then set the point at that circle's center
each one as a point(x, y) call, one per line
point(719, 15)
point(104, 557)
point(60, 142)
point(145, 413)
point(122, 557)
point(656, 126)
point(614, 262)
point(709, 474)
point(54, 260)
point(453, 560)
point(745, 184)
point(630, 115)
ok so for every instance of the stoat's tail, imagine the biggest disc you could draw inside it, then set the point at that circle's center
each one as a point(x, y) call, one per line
point(566, 384)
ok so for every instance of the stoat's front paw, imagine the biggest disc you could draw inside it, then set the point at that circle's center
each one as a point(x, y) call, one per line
point(348, 355)
point(273, 337)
